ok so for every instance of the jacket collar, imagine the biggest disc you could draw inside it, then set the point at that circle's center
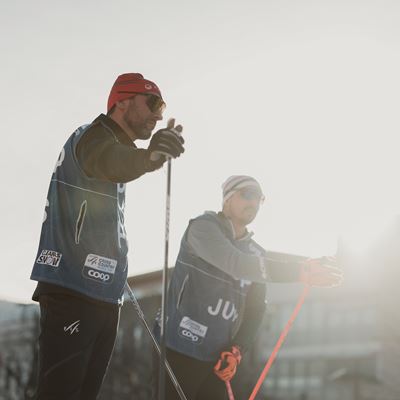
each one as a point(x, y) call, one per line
point(117, 131)
point(228, 225)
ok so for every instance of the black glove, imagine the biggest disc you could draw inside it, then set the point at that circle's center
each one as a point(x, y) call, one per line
point(165, 143)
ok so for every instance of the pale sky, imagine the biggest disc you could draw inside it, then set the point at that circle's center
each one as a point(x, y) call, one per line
point(302, 95)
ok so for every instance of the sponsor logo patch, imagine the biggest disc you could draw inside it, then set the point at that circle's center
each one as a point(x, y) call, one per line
point(192, 330)
point(99, 268)
point(49, 257)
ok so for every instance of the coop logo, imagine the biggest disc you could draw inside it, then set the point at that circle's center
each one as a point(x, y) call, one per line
point(99, 275)
point(99, 268)
point(49, 257)
point(189, 335)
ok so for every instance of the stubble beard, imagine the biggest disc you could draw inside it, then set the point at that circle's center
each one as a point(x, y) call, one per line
point(247, 219)
point(140, 130)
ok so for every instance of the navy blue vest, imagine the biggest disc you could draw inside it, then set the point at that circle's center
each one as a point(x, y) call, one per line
point(205, 305)
point(83, 243)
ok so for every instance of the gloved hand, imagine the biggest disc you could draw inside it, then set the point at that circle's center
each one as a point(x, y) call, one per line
point(165, 143)
point(321, 272)
point(225, 368)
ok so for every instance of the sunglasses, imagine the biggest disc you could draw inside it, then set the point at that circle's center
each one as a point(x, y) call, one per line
point(249, 194)
point(156, 104)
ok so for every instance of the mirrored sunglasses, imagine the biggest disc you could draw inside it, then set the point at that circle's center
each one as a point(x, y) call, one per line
point(251, 194)
point(155, 103)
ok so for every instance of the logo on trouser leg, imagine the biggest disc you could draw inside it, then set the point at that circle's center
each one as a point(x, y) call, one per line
point(73, 328)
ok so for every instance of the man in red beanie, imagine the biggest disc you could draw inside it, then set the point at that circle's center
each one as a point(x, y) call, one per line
point(81, 264)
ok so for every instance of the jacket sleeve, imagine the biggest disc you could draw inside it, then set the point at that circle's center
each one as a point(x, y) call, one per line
point(209, 243)
point(284, 267)
point(103, 157)
point(252, 317)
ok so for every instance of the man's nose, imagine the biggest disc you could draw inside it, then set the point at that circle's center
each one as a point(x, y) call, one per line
point(255, 203)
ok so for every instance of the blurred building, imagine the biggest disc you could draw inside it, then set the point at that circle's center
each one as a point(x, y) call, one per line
point(344, 345)
point(18, 354)
point(337, 348)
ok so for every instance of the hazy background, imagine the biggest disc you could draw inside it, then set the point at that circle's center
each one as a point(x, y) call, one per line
point(303, 95)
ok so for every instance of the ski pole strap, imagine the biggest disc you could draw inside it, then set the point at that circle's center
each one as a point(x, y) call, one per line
point(229, 390)
point(280, 341)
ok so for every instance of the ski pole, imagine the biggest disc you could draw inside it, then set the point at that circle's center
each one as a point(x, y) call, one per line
point(163, 314)
point(154, 341)
point(161, 382)
point(280, 341)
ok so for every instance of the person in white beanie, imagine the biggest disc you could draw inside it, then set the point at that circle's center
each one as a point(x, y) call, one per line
point(216, 297)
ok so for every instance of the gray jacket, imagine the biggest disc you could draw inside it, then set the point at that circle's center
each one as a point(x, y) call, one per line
point(213, 276)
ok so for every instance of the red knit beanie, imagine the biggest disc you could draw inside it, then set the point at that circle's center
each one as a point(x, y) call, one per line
point(127, 85)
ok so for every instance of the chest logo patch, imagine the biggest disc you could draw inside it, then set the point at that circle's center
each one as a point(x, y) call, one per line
point(192, 330)
point(99, 268)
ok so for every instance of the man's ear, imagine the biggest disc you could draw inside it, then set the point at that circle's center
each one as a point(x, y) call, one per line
point(122, 105)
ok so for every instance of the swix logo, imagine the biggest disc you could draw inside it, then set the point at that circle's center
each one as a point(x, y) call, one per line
point(73, 328)
point(228, 311)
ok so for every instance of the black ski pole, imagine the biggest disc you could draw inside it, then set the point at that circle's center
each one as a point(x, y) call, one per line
point(163, 315)
point(154, 341)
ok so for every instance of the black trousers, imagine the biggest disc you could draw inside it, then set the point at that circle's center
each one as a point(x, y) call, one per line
point(75, 345)
point(195, 377)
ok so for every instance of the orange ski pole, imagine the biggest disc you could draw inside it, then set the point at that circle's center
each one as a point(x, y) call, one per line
point(229, 390)
point(280, 342)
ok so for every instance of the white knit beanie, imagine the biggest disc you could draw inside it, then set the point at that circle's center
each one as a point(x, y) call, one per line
point(237, 182)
